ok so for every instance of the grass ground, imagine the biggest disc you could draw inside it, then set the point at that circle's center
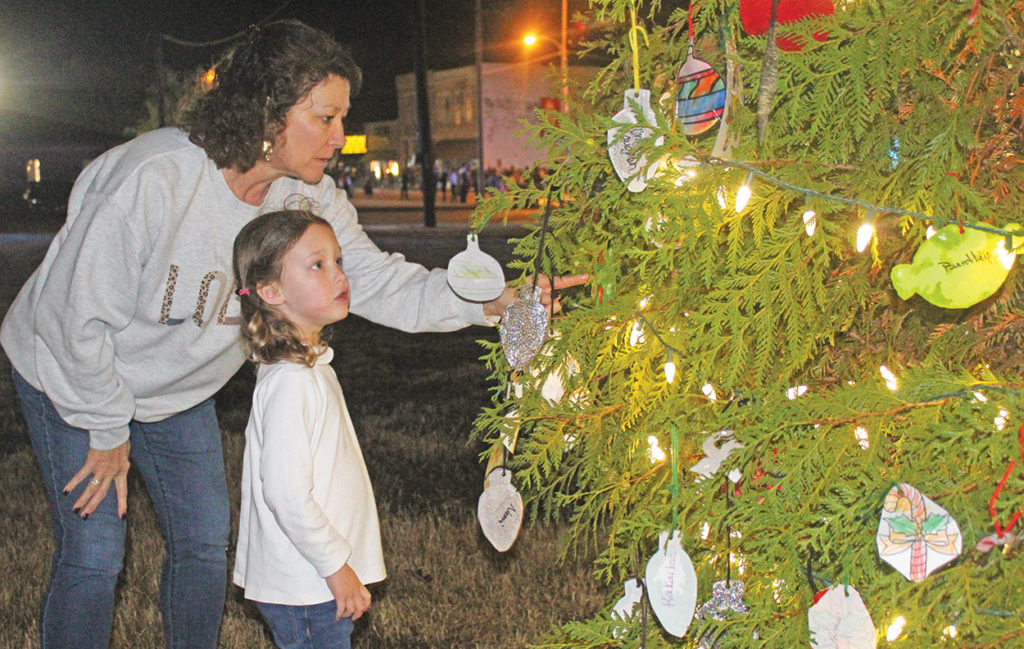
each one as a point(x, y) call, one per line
point(413, 398)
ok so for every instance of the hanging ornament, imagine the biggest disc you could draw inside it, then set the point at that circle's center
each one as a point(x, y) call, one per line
point(624, 608)
point(524, 326)
point(915, 535)
point(717, 447)
point(500, 509)
point(474, 275)
point(956, 269)
point(839, 620)
point(701, 98)
point(755, 15)
point(672, 584)
point(632, 168)
point(726, 596)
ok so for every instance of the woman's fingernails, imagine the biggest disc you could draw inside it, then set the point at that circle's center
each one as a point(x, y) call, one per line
point(124, 516)
point(77, 509)
point(67, 491)
point(85, 517)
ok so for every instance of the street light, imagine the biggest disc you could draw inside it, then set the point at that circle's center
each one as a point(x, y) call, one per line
point(531, 39)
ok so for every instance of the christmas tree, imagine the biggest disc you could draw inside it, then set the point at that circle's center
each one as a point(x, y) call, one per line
point(866, 395)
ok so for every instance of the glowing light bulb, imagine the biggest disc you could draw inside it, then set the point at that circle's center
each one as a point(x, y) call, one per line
point(705, 529)
point(1004, 255)
point(709, 391)
point(949, 631)
point(890, 378)
point(654, 451)
point(861, 435)
point(980, 396)
point(796, 391)
point(929, 233)
point(895, 629)
point(670, 369)
point(720, 196)
point(1001, 420)
point(865, 233)
point(743, 193)
point(636, 334)
point(810, 221)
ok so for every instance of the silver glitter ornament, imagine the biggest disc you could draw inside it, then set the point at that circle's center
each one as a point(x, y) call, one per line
point(725, 597)
point(524, 326)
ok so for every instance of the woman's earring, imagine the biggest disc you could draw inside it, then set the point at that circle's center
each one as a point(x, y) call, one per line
point(268, 149)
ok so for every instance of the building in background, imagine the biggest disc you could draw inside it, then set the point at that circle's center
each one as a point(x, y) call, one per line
point(511, 92)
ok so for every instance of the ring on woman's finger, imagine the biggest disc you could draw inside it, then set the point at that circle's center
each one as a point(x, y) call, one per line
point(94, 482)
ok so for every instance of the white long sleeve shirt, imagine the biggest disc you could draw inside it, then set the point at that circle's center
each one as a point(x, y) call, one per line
point(307, 503)
point(132, 313)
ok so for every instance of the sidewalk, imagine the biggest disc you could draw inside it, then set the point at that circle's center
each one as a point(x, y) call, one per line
point(385, 207)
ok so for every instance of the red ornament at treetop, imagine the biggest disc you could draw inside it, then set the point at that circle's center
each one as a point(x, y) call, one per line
point(756, 14)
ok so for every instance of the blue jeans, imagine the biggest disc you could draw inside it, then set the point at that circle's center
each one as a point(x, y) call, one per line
point(182, 463)
point(307, 627)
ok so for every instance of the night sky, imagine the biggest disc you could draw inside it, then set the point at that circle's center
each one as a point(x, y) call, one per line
point(88, 62)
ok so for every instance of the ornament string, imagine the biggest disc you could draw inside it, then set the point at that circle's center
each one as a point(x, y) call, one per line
point(728, 536)
point(635, 31)
point(674, 488)
point(1001, 531)
point(869, 207)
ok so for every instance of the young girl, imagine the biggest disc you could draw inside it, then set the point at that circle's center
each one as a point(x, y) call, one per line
point(308, 536)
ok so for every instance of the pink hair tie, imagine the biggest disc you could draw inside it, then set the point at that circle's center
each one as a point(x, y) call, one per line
point(243, 291)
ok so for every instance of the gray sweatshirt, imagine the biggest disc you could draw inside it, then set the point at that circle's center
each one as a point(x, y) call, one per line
point(132, 313)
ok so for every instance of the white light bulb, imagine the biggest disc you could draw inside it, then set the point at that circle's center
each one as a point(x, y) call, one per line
point(929, 233)
point(1005, 256)
point(896, 628)
point(636, 334)
point(949, 631)
point(861, 435)
point(709, 391)
point(890, 378)
point(865, 233)
point(742, 197)
point(796, 391)
point(720, 197)
point(670, 370)
point(810, 221)
point(654, 451)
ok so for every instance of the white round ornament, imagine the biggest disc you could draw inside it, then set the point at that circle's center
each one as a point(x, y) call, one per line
point(839, 620)
point(474, 275)
point(500, 509)
point(623, 140)
point(672, 584)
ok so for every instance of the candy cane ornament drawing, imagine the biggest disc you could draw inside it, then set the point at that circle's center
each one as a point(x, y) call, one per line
point(915, 535)
point(630, 166)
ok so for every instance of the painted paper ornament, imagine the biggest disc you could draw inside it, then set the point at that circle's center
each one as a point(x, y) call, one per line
point(524, 326)
point(474, 275)
point(701, 98)
point(626, 605)
point(755, 16)
point(956, 270)
point(726, 597)
point(672, 584)
point(632, 168)
point(500, 509)
point(839, 620)
point(717, 447)
point(915, 535)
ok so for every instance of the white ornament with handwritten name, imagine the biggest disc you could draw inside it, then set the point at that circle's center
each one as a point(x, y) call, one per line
point(717, 447)
point(631, 167)
point(672, 584)
point(500, 509)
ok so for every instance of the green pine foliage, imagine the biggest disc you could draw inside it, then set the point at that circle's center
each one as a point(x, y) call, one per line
point(900, 96)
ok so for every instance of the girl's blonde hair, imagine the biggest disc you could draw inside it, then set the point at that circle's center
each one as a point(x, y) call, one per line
point(267, 336)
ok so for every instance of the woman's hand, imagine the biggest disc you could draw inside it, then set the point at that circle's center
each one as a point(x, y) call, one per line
point(105, 468)
point(508, 296)
point(350, 594)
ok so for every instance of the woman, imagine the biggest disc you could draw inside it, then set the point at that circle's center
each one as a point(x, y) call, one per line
point(130, 325)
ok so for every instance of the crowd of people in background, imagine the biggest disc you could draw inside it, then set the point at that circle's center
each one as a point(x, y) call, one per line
point(454, 182)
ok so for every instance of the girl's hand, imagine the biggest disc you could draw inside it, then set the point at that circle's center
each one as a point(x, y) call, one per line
point(508, 296)
point(103, 468)
point(349, 593)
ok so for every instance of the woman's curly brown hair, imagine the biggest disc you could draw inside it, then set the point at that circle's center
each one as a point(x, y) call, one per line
point(256, 83)
point(267, 336)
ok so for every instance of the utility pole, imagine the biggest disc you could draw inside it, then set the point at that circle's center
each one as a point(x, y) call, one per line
point(564, 55)
point(479, 102)
point(426, 149)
